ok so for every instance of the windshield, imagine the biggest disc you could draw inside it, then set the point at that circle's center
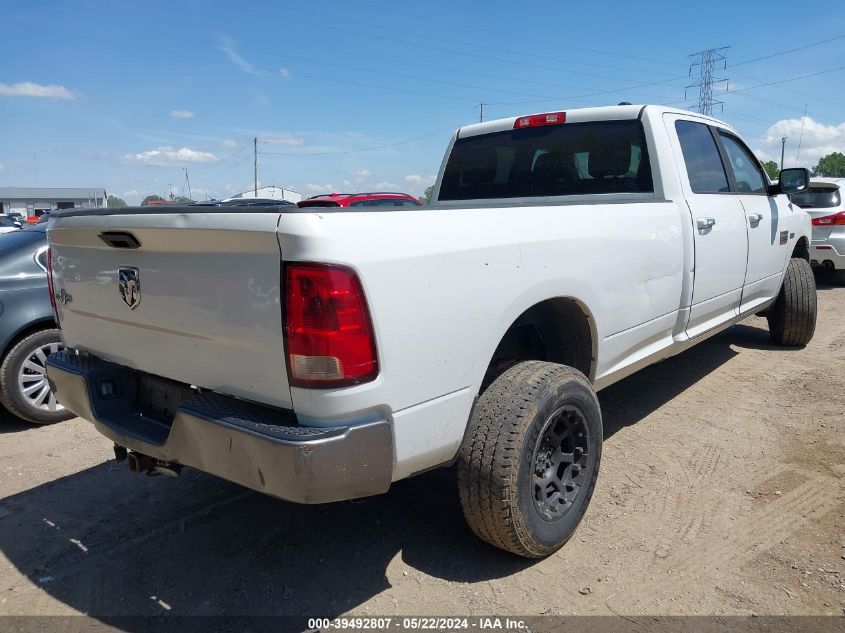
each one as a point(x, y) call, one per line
point(5, 220)
point(817, 198)
point(555, 160)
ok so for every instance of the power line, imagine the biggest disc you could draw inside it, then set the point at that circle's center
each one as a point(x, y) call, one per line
point(587, 94)
point(791, 50)
point(515, 35)
point(362, 149)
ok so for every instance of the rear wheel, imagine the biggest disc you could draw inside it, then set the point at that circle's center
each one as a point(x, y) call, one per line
point(792, 318)
point(529, 463)
point(24, 390)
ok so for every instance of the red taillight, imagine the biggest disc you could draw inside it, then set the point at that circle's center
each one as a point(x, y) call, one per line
point(535, 120)
point(837, 219)
point(328, 332)
point(50, 287)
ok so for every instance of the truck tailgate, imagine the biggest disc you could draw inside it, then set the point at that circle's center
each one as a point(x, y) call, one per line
point(201, 297)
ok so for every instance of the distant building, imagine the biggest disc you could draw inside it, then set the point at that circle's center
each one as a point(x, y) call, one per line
point(35, 201)
point(273, 193)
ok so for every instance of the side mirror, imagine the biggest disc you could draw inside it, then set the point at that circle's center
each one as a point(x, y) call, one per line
point(793, 180)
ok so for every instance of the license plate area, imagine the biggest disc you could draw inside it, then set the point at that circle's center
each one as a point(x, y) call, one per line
point(159, 398)
point(820, 233)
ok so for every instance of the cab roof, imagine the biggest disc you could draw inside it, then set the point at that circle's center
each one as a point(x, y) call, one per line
point(579, 115)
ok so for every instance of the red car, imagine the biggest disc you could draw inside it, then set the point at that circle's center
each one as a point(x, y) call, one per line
point(372, 199)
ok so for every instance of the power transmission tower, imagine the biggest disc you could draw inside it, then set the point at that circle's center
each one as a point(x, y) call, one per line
point(188, 182)
point(704, 63)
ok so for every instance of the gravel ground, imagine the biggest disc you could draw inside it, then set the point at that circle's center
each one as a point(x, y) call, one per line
point(721, 492)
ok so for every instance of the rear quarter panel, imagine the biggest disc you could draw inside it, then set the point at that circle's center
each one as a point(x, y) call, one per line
point(444, 285)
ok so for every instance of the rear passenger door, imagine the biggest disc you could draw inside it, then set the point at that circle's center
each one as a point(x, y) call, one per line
point(718, 225)
point(766, 219)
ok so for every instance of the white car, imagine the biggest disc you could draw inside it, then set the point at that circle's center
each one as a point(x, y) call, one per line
point(8, 224)
point(824, 202)
point(322, 354)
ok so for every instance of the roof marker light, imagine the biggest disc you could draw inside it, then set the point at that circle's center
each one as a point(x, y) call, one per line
point(536, 120)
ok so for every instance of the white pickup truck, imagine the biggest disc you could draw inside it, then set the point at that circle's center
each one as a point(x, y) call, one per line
point(321, 354)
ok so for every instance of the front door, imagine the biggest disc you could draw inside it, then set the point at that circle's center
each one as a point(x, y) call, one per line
point(767, 221)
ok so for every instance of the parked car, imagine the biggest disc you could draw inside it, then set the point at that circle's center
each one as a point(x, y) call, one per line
point(563, 251)
point(824, 202)
point(8, 224)
point(28, 332)
point(383, 199)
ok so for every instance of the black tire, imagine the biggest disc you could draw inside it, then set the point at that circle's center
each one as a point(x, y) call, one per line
point(503, 495)
point(11, 393)
point(792, 318)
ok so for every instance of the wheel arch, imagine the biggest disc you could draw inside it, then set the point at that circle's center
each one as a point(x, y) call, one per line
point(558, 329)
point(30, 328)
point(802, 248)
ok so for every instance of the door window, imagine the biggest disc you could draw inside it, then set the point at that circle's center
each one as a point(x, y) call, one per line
point(704, 163)
point(747, 173)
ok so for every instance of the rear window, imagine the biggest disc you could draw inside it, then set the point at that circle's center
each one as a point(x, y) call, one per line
point(554, 160)
point(25, 239)
point(817, 198)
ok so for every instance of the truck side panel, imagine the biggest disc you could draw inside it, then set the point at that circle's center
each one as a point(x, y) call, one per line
point(441, 300)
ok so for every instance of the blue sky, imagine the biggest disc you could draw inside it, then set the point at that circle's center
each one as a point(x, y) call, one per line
point(363, 95)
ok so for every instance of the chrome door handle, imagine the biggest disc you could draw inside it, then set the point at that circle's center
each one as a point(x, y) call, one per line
point(754, 218)
point(705, 223)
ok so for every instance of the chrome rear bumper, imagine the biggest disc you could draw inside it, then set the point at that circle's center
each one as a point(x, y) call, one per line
point(256, 446)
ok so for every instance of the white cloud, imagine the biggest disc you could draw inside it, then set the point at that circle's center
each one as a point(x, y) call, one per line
point(413, 179)
point(282, 139)
point(817, 140)
point(181, 114)
point(130, 193)
point(319, 188)
point(167, 156)
point(229, 143)
point(385, 185)
point(227, 45)
point(284, 72)
point(29, 89)
point(2, 167)
point(363, 173)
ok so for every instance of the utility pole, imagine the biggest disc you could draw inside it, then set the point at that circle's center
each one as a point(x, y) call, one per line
point(188, 182)
point(705, 63)
point(481, 113)
point(255, 162)
point(782, 150)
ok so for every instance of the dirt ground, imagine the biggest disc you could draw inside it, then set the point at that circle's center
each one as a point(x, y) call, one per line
point(721, 492)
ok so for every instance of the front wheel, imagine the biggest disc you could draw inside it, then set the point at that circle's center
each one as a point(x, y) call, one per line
point(529, 463)
point(792, 318)
point(24, 390)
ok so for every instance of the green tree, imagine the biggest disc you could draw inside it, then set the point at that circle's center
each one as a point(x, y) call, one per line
point(426, 197)
point(184, 199)
point(113, 202)
point(152, 198)
point(831, 166)
point(772, 169)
